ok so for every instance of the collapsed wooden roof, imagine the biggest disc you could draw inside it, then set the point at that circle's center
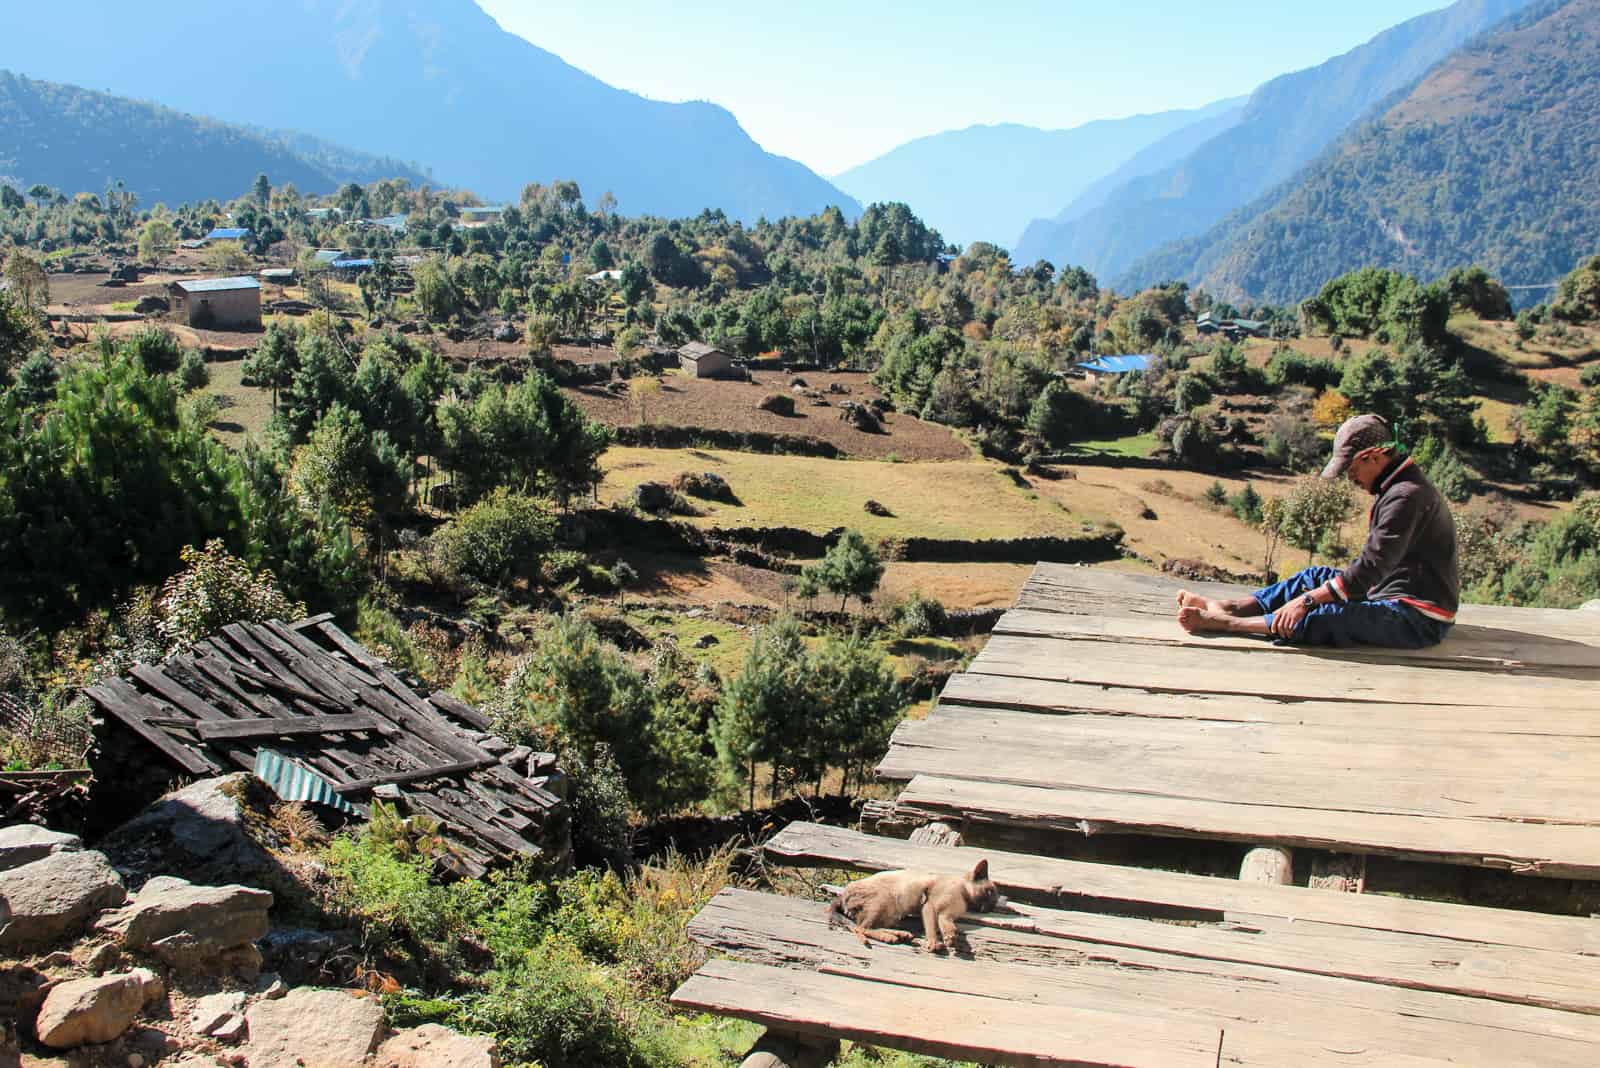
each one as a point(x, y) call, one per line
point(323, 708)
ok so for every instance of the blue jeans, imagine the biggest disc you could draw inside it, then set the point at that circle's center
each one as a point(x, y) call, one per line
point(1345, 623)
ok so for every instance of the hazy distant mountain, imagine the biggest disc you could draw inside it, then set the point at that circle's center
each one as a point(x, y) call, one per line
point(1493, 158)
point(985, 183)
point(432, 80)
point(1286, 124)
point(74, 140)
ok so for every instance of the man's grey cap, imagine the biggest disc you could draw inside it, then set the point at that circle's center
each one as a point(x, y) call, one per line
point(1356, 433)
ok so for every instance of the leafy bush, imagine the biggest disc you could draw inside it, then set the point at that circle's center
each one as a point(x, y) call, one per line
point(850, 568)
point(496, 541)
point(1247, 505)
point(156, 350)
point(1289, 367)
point(1445, 469)
point(1293, 442)
point(36, 380)
point(919, 617)
point(1311, 513)
point(1215, 495)
point(214, 589)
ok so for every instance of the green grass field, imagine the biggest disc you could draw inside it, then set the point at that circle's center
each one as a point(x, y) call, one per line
point(949, 499)
point(1134, 445)
point(248, 409)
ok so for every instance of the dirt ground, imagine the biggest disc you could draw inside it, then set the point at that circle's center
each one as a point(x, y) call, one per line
point(729, 405)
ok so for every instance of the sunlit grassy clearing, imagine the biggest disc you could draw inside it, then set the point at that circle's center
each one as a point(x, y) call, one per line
point(954, 499)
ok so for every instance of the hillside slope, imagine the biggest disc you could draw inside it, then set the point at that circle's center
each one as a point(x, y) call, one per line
point(1287, 122)
point(432, 80)
point(984, 183)
point(75, 140)
point(1494, 159)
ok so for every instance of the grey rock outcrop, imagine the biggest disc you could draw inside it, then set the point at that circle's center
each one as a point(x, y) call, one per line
point(95, 1010)
point(214, 1011)
point(54, 897)
point(192, 926)
point(327, 1028)
point(26, 843)
point(201, 833)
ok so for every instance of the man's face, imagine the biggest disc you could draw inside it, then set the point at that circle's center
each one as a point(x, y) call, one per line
point(1366, 466)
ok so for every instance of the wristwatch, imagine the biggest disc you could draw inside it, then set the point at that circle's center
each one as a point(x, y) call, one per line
point(1309, 601)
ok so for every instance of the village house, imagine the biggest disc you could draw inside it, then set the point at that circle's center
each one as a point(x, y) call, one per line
point(229, 233)
point(1112, 366)
point(482, 215)
point(222, 303)
point(703, 361)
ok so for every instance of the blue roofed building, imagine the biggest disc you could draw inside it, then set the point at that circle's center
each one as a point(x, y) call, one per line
point(229, 233)
point(1111, 366)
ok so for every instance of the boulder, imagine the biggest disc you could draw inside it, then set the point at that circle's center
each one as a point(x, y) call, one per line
point(215, 1010)
point(54, 897)
point(150, 304)
point(652, 496)
point(26, 843)
point(435, 1046)
point(95, 1010)
point(506, 332)
point(327, 1028)
point(192, 926)
point(202, 833)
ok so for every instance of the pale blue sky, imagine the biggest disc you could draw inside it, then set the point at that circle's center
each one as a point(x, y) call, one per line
point(834, 84)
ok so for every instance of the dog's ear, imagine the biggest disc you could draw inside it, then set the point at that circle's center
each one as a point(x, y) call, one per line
point(981, 872)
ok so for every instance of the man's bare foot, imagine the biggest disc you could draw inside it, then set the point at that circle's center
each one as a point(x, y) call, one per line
point(1205, 604)
point(1197, 620)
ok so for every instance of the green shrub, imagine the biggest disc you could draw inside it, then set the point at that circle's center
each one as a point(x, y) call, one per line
point(214, 589)
point(155, 349)
point(496, 541)
point(1215, 495)
point(1288, 367)
point(193, 373)
point(562, 566)
point(919, 617)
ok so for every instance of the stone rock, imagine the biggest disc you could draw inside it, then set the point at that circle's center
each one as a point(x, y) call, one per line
point(95, 1010)
point(54, 898)
point(201, 833)
point(270, 986)
point(1590, 606)
point(652, 496)
point(230, 1029)
point(193, 1060)
point(505, 332)
point(150, 304)
point(305, 957)
point(435, 1046)
point(26, 843)
point(101, 958)
point(327, 1028)
point(192, 926)
point(213, 1010)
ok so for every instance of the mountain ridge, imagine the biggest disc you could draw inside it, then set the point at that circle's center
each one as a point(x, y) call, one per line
point(75, 139)
point(439, 81)
point(1287, 123)
point(1492, 158)
point(984, 182)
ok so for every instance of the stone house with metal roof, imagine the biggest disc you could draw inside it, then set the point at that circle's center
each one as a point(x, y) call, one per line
point(220, 303)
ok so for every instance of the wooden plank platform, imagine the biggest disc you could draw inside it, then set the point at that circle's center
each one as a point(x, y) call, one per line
point(1090, 710)
point(1250, 975)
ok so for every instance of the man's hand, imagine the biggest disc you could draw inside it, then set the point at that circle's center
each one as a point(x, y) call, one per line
point(1286, 620)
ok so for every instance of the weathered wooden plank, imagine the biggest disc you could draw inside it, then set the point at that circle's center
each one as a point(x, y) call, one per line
point(1231, 671)
point(275, 672)
point(1471, 776)
point(310, 621)
point(1276, 1015)
point(940, 1023)
point(452, 705)
point(1533, 849)
point(486, 831)
point(1051, 696)
point(284, 728)
point(313, 670)
point(1468, 647)
point(409, 775)
point(124, 702)
point(1112, 888)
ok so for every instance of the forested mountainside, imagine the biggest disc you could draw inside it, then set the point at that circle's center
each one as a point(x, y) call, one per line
point(73, 139)
point(984, 183)
point(1494, 159)
point(1287, 122)
point(432, 80)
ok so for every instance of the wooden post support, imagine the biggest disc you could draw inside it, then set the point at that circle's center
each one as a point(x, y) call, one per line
point(1268, 864)
point(775, 1049)
point(937, 833)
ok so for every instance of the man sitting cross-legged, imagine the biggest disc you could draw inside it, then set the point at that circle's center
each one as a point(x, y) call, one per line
point(1402, 591)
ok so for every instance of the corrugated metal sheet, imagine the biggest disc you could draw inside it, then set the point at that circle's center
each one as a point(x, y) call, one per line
point(1119, 365)
point(218, 285)
point(228, 233)
point(292, 782)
